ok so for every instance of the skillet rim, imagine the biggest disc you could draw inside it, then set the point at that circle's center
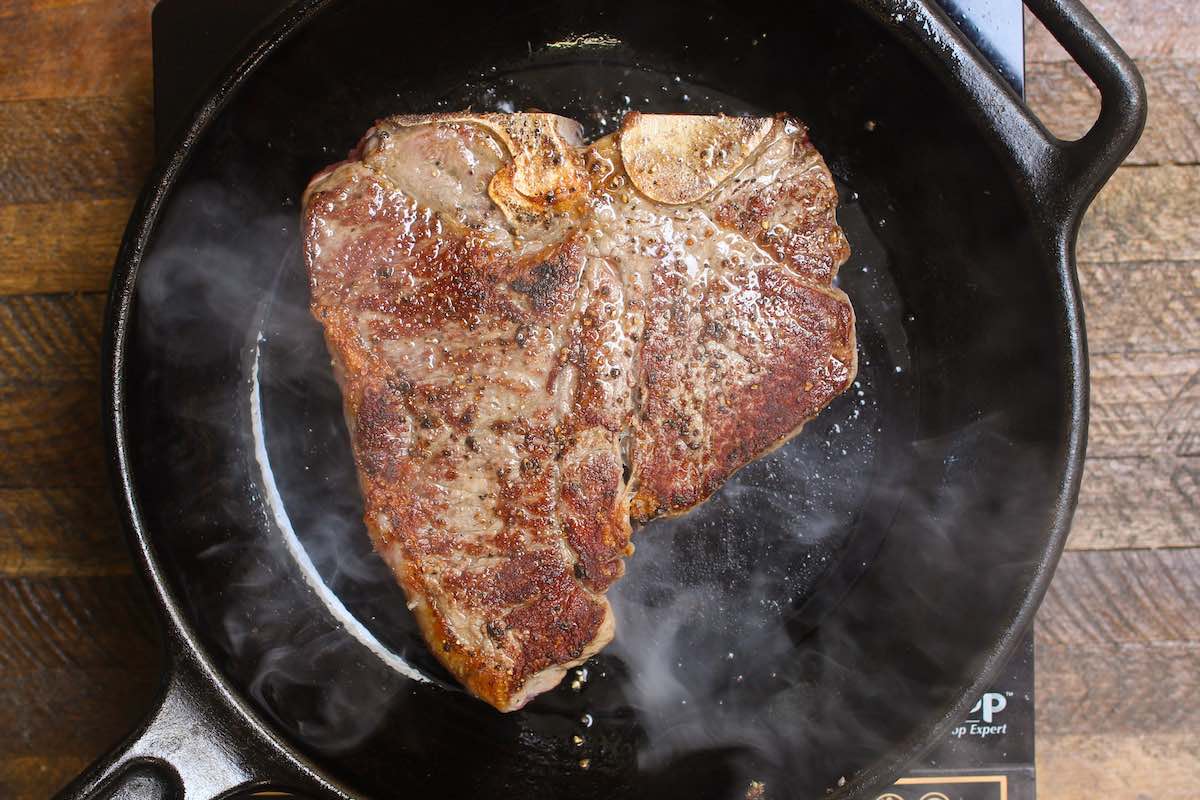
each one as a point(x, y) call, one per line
point(182, 644)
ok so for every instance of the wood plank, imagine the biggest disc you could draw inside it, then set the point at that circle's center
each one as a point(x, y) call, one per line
point(56, 151)
point(1117, 688)
point(54, 337)
point(29, 777)
point(1108, 720)
point(1149, 501)
point(51, 436)
point(1141, 307)
point(1144, 214)
point(1116, 720)
point(1122, 597)
point(73, 623)
point(53, 340)
point(60, 247)
point(79, 663)
point(61, 532)
point(107, 52)
point(1097, 764)
point(1163, 28)
point(1145, 403)
point(1067, 102)
point(1118, 668)
point(64, 711)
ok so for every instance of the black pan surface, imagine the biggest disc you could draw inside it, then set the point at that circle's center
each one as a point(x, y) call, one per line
point(813, 625)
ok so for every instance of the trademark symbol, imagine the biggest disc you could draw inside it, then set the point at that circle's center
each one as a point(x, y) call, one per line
point(1009, 694)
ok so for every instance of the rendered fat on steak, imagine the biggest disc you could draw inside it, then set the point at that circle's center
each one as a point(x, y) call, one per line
point(539, 339)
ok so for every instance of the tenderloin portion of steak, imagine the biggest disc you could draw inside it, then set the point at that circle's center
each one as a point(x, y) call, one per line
point(741, 337)
point(538, 339)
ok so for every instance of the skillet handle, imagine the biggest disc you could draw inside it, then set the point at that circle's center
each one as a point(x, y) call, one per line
point(1082, 166)
point(1062, 176)
point(190, 747)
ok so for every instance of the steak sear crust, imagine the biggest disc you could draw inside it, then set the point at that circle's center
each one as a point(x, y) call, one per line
point(538, 340)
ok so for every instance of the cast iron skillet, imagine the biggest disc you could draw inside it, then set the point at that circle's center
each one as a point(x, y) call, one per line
point(814, 626)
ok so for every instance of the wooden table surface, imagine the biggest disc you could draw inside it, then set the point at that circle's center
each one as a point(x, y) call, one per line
point(1118, 639)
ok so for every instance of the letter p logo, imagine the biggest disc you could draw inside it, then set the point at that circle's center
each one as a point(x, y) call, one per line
point(990, 705)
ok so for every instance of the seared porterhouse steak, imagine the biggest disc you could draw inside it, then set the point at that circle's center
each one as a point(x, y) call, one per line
point(539, 339)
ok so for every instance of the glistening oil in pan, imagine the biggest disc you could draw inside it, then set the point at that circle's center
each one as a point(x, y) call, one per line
point(713, 602)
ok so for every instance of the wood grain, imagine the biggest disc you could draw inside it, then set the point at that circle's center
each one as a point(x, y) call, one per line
point(1141, 481)
point(52, 623)
point(1151, 500)
point(1098, 599)
point(66, 150)
point(1117, 721)
point(64, 711)
point(79, 48)
point(1098, 764)
point(1145, 403)
point(61, 532)
point(1141, 307)
point(1143, 28)
point(79, 663)
point(37, 776)
point(50, 436)
point(1144, 214)
point(60, 247)
point(1067, 102)
point(1117, 688)
point(50, 338)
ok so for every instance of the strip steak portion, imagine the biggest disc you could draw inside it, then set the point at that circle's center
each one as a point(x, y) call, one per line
point(539, 339)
